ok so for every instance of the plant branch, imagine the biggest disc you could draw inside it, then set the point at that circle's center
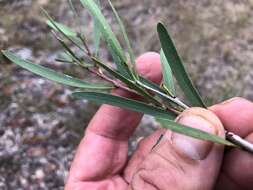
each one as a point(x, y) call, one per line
point(114, 82)
point(172, 99)
point(237, 140)
point(85, 45)
point(137, 85)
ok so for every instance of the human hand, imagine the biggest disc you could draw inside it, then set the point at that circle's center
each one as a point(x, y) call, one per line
point(177, 162)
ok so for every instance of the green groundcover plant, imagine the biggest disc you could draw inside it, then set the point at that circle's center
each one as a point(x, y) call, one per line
point(160, 102)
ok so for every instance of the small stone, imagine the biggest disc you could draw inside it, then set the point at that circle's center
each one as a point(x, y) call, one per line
point(23, 181)
point(39, 174)
point(36, 151)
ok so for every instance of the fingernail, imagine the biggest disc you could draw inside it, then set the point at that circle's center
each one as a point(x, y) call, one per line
point(139, 140)
point(190, 147)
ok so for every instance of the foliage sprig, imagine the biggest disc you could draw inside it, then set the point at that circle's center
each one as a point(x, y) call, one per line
point(159, 101)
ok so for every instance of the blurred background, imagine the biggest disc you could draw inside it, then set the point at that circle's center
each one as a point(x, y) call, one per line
point(41, 125)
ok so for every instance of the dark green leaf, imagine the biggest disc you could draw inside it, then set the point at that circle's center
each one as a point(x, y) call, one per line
point(126, 103)
point(177, 67)
point(192, 132)
point(52, 75)
point(167, 75)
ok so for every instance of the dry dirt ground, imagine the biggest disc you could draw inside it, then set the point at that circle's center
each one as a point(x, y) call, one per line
point(41, 125)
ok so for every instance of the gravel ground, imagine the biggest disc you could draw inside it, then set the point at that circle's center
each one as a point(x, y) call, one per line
point(41, 125)
point(40, 128)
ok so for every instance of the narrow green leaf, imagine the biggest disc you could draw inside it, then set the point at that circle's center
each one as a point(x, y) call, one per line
point(177, 67)
point(96, 32)
point(113, 72)
point(78, 19)
point(192, 132)
point(167, 75)
point(122, 69)
point(63, 28)
point(104, 26)
point(72, 39)
point(65, 57)
point(80, 61)
point(77, 41)
point(74, 11)
point(52, 75)
point(111, 40)
point(124, 33)
point(126, 103)
point(150, 84)
point(168, 100)
point(66, 47)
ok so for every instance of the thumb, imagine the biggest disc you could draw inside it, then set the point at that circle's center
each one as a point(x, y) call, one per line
point(181, 162)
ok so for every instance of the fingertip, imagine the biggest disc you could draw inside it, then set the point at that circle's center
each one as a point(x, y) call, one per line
point(237, 169)
point(147, 56)
point(149, 66)
point(236, 114)
point(230, 104)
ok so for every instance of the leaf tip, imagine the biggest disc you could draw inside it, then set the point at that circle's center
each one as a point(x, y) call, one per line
point(4, 54)
point(45, 13)
point(48, 22)
point(3, 51)
point(160, 25)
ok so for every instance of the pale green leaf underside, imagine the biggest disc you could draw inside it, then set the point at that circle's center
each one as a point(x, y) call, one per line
point(96, 32)
point(63, 28)
point(126, 103)
point(192, 132)
point(113, 44)
point(167, 74)
point(124, 33)
point(65, 56)
point(177, 67)
point(51, 74)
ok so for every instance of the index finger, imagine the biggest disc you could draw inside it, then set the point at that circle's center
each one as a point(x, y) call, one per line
point(236, 115)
